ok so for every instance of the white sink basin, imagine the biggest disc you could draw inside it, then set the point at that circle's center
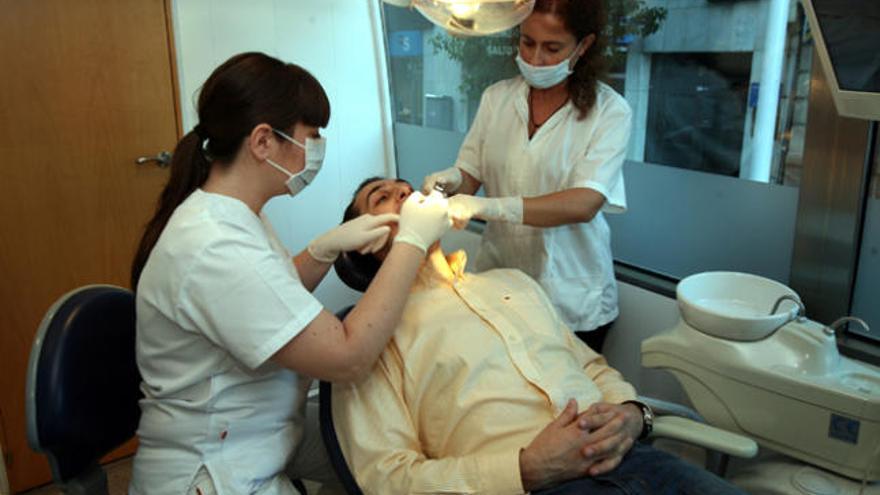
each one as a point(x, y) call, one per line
point(803, 347)
point(733, 305)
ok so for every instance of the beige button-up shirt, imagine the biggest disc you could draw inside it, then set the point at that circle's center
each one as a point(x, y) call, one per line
point(479, 365)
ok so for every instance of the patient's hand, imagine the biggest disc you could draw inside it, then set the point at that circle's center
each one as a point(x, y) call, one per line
point(614, 429)
point(556, 453)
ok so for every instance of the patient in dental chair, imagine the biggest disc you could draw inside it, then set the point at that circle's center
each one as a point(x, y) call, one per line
point(483, 390)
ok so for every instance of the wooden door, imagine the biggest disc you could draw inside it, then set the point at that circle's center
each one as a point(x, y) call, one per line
point(87, 87)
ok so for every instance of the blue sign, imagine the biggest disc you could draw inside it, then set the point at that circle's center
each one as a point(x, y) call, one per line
point(405, 43)
point(754, 89)
point(625, 40)
point(843, 428)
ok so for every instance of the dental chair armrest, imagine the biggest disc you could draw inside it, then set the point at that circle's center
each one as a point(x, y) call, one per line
point(703, 435)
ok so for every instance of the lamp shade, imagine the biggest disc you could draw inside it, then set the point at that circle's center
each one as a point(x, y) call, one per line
point(472, 17)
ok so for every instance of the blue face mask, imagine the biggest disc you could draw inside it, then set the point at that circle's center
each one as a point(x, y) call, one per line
point(546, 76)
point(314, 148)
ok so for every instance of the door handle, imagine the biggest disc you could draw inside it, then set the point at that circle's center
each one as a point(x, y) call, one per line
point(163, 159)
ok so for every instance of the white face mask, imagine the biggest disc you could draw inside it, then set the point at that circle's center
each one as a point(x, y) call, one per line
point(314, 149)
point(547, 76)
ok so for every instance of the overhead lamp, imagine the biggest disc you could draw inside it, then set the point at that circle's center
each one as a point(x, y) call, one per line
point(471, 17)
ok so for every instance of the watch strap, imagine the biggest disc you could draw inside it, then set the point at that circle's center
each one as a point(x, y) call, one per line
point(647, 418)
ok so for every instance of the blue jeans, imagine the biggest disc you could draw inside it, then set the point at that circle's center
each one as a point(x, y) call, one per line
point(648, 471)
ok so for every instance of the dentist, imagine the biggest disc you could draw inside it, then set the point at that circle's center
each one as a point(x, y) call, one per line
point(548, 149)
point(228, 332)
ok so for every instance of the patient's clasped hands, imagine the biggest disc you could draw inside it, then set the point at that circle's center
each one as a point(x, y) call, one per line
point(576, 445)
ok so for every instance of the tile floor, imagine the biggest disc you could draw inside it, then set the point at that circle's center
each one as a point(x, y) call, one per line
point(118, 475)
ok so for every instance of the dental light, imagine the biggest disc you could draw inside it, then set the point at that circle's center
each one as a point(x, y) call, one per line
point(471, 17)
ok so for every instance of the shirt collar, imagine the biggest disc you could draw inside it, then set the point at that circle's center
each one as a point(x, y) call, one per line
point(521, 104)
point(521, 101)
point(440, 269)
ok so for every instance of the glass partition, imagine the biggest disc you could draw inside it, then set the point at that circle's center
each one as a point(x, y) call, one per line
point(692, 72)
point(867, 287)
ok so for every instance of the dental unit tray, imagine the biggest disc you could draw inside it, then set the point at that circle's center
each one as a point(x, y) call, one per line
point(777, 378)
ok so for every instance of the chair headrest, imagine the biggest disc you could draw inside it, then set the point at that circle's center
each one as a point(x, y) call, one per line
point(356, 270)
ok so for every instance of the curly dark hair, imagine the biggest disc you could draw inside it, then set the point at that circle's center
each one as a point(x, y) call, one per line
point(582, 18)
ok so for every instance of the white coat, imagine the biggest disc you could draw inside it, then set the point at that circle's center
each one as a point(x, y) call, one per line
point(573, 262)
point(217, 298)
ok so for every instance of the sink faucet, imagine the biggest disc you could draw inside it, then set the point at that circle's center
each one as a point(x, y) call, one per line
point(802, 311)
point(838, 324)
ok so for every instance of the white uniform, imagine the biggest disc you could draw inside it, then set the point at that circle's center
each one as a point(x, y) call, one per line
point(573, 262)
point(218, 296)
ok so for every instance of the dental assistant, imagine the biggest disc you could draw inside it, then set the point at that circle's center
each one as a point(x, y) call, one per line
point(548, 149)
point(228, 332)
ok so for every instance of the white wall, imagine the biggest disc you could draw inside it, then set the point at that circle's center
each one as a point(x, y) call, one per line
point(340, 43)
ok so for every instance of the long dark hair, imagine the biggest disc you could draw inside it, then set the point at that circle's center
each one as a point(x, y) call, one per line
point(582, 18)
point(245, 91)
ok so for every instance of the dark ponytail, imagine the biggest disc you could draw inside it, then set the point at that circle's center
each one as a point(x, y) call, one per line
point(583, 18)
point(247, 90)
point(189, 169)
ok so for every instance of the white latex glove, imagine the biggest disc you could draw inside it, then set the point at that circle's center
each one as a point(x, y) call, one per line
point(464, 206)
point(449, 178)
point(365, 234)
point(423, 220)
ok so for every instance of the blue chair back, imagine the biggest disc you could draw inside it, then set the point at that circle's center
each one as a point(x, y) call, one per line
point(331, 441)
point(328, 430)
point(83, 384)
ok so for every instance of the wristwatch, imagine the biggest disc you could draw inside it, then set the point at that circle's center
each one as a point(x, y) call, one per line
point(647, 418)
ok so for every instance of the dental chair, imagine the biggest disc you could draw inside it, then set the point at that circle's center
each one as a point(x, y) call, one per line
point(673, 422)
point(331, 441)
point(83, 385)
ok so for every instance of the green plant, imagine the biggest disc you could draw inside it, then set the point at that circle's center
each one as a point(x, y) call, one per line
point(633, 17)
